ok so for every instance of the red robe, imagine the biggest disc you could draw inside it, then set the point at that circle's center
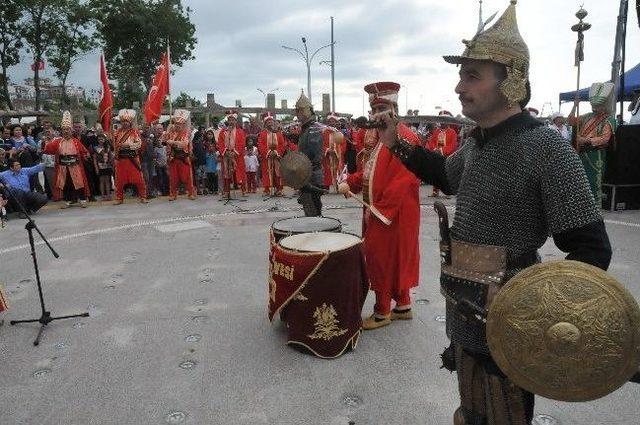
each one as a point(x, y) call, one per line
point(239, 148)
point(180, 170)
point(391, 250)
point(77, 171)
point(263, 151)
point(336, 143)
point(128, 170)
point(444, 141)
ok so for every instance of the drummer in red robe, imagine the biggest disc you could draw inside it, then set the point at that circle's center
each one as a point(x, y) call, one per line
point(333, 146)
point(271, 148)
point(127, 144)
point(232, 146)
point(391, 245)
point(443, 140)
point(70, 181)
point(178, 139)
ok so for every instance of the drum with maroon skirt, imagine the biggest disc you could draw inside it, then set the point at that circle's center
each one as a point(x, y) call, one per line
point(320, 282)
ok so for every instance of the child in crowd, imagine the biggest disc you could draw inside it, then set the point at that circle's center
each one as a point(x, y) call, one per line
point(103, 162)
point(251, 166)
point(160, 162)
point(211, 168)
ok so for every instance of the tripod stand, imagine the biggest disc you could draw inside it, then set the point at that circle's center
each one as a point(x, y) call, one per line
point(45, 317)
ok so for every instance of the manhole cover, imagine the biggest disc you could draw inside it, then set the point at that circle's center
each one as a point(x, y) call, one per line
point(544, 420)
point(187, 364)
point(440, 318)
point(206, 281)
point(41, 372)
point(193, 338)
point(79, 325)
point(116, 276)
point(422, 301)
point(200, 319)
point(200, 302)
point(352, 400)
point(176, 417)
point(61, 346)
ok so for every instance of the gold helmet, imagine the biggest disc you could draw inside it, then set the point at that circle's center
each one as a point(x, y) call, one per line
point(503, 44)
point(304, 108)
point(66, 122)
point(303, 101)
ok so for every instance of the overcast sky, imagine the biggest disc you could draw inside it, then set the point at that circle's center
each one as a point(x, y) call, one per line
point(239, 49)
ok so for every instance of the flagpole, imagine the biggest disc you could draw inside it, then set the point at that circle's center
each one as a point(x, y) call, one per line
point(168, 77)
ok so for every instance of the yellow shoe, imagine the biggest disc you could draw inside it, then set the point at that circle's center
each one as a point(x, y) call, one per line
point(118, 202)
point(401, 314)
point(375, 322)
point(144, 201)
point(192, 197)
point(172, 198)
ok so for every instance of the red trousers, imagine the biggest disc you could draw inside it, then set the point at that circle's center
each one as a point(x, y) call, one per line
point(383, 301)
point(180, 172)
point(127, 173)
point(226, 186)
point(251, 181)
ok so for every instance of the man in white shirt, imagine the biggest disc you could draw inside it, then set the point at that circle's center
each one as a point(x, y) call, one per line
point(558, 123)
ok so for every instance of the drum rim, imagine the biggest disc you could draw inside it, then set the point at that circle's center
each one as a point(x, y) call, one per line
point(293, 250)
point(282, 231)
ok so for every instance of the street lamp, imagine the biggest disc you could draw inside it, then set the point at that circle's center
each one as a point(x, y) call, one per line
point(266, 93)
point(307, 60)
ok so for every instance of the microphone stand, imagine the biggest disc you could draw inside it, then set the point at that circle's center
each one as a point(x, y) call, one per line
point(45, 316)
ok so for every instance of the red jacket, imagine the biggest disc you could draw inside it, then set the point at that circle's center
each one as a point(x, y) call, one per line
point(444, 141)
point(240, 149)
point(53, 148)
point(391, 250)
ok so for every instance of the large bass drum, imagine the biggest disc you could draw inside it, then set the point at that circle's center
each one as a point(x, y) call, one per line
point(320, 280)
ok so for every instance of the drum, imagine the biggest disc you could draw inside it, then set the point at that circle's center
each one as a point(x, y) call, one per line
point(320, 281)
point(297, 225)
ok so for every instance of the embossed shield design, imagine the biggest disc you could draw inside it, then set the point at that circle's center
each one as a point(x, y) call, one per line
point(295, 169)
point(565, 330)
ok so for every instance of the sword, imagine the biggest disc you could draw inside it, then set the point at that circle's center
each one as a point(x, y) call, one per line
point(445, 237)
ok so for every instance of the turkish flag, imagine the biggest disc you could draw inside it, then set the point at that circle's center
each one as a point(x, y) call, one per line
point(105, 107)
point(158, 92)
point(39, 65)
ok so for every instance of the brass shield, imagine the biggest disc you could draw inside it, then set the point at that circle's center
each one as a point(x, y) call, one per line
point(565, 330)
point(295, 169)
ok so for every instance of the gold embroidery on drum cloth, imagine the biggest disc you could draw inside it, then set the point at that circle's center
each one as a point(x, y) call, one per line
point(326, 323)
point(352, 342)
point(303, 284)
point(300, 297)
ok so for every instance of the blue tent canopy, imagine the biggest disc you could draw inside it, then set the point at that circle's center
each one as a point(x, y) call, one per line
point(631, 83)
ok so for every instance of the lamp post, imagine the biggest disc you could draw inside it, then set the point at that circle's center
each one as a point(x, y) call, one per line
point(307, 60)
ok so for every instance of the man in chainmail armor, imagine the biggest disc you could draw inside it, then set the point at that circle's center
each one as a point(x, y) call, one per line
point(517, 182)
point(310, 144)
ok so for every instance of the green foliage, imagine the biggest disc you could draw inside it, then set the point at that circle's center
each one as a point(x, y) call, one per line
point(73, 40)
point(40, 25)
point(182, 99)
point(134, 35)
point(10, 45)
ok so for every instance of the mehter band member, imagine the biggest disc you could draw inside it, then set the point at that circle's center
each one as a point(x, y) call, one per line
point(70, 181)
point(127, 144)
point(391, 241)
point(310, 144)
point(178, 138)
point(232, 147)
point(271, 147)
point(517, 182)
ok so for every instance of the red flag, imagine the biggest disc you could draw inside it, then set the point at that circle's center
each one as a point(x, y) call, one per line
point(158, 92)
point(105, 107)
point(39, 64)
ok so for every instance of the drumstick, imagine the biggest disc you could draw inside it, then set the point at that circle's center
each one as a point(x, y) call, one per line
point(371, 208)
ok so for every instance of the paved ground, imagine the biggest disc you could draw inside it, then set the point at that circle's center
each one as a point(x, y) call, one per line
point(184, 284)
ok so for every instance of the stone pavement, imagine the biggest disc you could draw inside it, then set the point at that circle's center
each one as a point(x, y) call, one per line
point(178, 331)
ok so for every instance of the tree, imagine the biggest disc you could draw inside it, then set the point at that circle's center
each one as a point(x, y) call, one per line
point(43, 19)
point(134, 34)
point(182, 100)
point(72, 41)
point(10, 45)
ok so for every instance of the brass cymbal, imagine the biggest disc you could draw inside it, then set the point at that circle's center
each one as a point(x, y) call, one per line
point(565, 330)
point(295, 169)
